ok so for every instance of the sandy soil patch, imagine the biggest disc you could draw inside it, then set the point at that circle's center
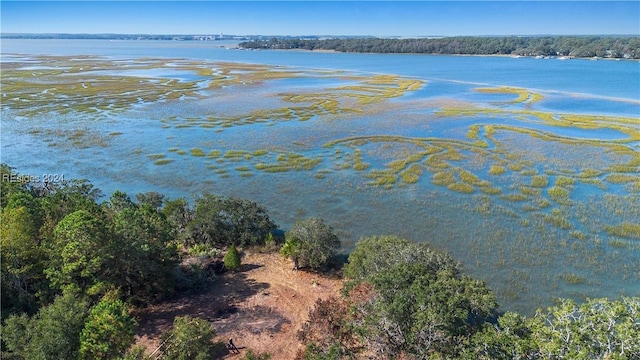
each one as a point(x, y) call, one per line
point(261, 308)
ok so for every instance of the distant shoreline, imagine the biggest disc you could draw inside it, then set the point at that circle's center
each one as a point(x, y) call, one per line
point(563, 47)
point(368, 44)
point(462, 55)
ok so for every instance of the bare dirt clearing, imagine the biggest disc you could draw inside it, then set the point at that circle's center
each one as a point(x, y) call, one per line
point(261, 308)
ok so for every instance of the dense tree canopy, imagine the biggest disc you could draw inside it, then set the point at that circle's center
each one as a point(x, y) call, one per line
point(108, 330)
point(378, 253)
point(579, 46)
point(421, 302)
point(406, 300)
point(227, 220)
point(145, 256)
point(81, 253)
point(310, 243)
point(54, 333)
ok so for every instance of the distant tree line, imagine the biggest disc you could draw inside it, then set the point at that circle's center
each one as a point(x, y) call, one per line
point(578, 46)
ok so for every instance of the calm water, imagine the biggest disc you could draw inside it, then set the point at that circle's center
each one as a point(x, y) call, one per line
point(599, 78)
point(524, 255)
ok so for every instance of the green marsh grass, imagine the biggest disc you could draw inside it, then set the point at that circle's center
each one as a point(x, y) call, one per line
point(557, 219)
point(490, 190)
point(558, 194)
point(528, 172)
point(497, 170)
point(197, 152)
point(358, 163)
point(530, 191)
point(411, 175)
point(443, 178)
point(618, 243)
point(162, 161)
point(523, 95)
point(436, 162)
point(384, 178)
point(543, 203)
point(473, 133)
point(621, 178)
point(589, 173)
point(272, 168)
point(514, 197)
point(565, 181)
point(461, 187)
point(514, 166)
point(539, 181)
point(481, 144)
point(573, 279)
point(625, 230)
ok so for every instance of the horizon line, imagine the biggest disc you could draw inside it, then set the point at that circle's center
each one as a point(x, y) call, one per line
point(306, 35)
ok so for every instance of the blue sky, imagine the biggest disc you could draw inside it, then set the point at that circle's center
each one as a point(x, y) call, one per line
point(378, 18)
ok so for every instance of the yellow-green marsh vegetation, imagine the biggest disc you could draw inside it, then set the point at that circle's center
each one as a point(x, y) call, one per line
point(626, 230)
point(197, 152)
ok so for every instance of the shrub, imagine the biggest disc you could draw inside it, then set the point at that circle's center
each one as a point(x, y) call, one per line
point(232, 259)
point(310, 244)
point(190, 338)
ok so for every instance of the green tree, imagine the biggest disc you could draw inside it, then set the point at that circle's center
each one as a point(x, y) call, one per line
point(596, 329)
point(67, 198)
point(178, 213)
point(419, 303)
point(9, 184)
point(137, 352)
point(54, 333)
point(377, 253)
point(144, 255)
point(232, 259)
point(22, 260)
point(189, 339)
point(30, 204)
point(509, 338)
point(119, 201)
point(16, 335)
point(152, 198)
point(108, 331)
point(225, 221)
point(418, 312)
point(310, 243)
point(327, 333)
point(81, 254)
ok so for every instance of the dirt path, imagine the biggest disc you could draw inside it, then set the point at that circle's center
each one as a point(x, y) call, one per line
point(260, 308)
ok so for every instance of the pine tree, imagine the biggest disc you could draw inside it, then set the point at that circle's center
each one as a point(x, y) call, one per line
point(232, 259)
